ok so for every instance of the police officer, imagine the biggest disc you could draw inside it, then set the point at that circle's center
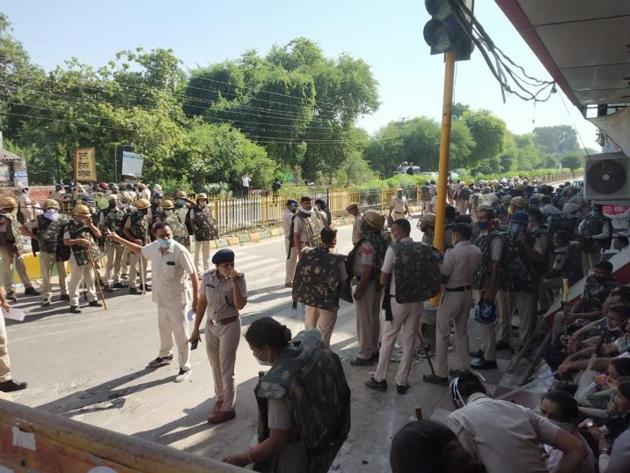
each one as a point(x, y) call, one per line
point(287, 224)
point(486, 282)
point(11, 249)
point(398, 207)
point(80, 235)
point(224, 294)
point(353, 209)
point(111, 220)
point(136, 230)
point(178, 226)
point(426, 224)
point(460, 264)
point(172, 266)
point(204, 229)
point(307, 225)
point(47, 229)
point(405, 318)
point(7, 383)
point(367, 257)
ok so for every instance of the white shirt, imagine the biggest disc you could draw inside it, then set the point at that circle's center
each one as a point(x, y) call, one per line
point(460, 264)
point(398, 204)
point(245, 180)
point(170, 272)
point(506, 437)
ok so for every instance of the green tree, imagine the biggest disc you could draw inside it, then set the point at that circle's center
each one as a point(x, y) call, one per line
point(488, 133)
point(559, 139)
point(572, 161)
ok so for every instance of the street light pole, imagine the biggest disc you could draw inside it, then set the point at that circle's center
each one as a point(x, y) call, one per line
point(445, 142)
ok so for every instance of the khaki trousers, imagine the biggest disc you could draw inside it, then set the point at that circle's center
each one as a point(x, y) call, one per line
point(405, 318)
point(505, 315)
point(368, 311)
point(78, 274)
point(7, 261)
point(202, 247)
point(488, 335)
point(5, 363)
point(221, 344)
point(454, 308)
point(114, 254)
point(525, 304)
point(47, 262)
point(172, 325)
point(135, 276)
point(462, 206)
point(290, 263)
point(322, 320)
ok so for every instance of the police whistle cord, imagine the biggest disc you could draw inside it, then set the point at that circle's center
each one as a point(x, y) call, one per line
point(97, 279)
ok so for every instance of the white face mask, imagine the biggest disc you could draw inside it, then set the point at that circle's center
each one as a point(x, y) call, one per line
point(51, 214)
point(263, 362)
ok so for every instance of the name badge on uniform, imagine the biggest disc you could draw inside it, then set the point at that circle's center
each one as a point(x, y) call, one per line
point(170, 263)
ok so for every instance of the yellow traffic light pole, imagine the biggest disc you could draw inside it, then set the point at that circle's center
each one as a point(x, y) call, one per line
point(445, 143)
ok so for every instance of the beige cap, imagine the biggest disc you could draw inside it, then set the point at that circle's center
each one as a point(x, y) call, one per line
point(167, 204)
point(8, 203)
point(201, 196)
point(141, 204)
point(519, 202)
point(82, 210)
point(374, 219)
point(51, 204)
point(428, 218)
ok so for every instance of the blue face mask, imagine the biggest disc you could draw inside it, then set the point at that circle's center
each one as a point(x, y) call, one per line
point(50, 214)
point(162, 243)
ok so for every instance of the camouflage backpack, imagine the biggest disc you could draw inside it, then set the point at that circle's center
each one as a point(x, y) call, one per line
point(114, 219)
point(139, 226)
point(425, 192)
point(50, 234)
point(379, 241)
point(593, 225)
point(417, 271)
point(484, 242)
point(180, 233)
point(560, 222)
point(81, 254)
point(205, 228)
point(311, 378)
point(518, 270)
point(316, 281)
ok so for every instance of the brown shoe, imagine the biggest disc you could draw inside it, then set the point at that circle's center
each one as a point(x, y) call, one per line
point(222, 416)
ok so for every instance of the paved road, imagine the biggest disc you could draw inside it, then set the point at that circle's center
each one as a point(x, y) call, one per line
point(91, 367)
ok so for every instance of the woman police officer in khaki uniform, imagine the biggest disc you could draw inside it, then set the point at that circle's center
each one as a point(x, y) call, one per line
point(223, 293)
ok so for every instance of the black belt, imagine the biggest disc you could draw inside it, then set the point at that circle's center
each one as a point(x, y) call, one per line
point(458, 289)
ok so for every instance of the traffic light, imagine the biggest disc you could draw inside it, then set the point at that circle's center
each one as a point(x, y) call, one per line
point(444, 31)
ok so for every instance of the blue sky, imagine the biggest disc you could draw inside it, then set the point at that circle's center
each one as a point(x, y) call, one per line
point(386, 34)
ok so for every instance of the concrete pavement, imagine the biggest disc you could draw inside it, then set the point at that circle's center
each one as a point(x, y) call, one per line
point(92, 367)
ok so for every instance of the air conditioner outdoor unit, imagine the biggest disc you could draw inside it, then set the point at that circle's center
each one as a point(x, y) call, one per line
point(606, 177)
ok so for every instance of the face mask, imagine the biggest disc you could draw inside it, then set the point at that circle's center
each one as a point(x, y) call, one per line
point(50, 214)
point(484, 225)
point(202, 204)
point(181, 202)
point(144, 211)
point(162, 243)
point(168, 212)
point(263, 362)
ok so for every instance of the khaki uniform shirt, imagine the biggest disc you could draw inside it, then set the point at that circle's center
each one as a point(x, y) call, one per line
point(460, 264)
point(356, 229)
point(170, 273)
point(506, 437)
point(218, 293)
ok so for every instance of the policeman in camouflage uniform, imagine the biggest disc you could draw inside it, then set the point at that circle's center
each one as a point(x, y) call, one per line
point(111, 219)
point(81, 236)
point(136, 229)
point(11, 248)
point(204, 229)
point(47, 230)
point(486, 282)
point(178, 226)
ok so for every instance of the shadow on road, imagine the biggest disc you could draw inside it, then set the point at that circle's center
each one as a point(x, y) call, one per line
point(104, 396)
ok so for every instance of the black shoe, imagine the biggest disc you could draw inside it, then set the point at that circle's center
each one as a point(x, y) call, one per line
point(95, 304)
point(160, 361)
point(374, 357)
point(30, 291)
point(455, 373)
point(118, 285)
point(435, 379)
point(134, 290)
point(501, 345)
point(372, 383)
point(109, 288)
point(362, 362)
point(74, 309)
point(476, 354)
point(402, 389)
point(46, 303)
point(11, 296)
point(483, 364)
point(11, 386)
point(146, 287)
point(64, 297)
